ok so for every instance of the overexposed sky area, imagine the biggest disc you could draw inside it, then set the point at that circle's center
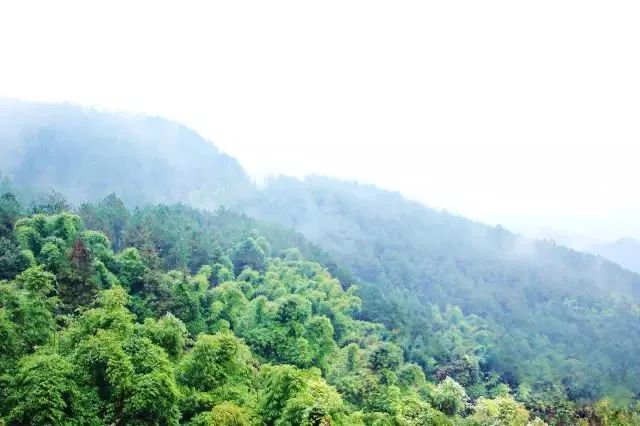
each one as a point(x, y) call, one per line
point(526, 113)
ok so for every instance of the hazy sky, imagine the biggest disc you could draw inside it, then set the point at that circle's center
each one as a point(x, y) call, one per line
point(526, 113)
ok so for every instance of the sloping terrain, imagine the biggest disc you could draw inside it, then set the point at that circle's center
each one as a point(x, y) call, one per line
point(456, 292)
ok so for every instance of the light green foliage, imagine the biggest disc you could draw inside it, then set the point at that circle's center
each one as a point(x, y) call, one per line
point(107, 366)
point(52, 256)
point(27, 236)
point(36, 280)
point(154, 398)
point(290, 396)
point(65, 226)
point(385, 356)
point(449, 397)
point(169, 333)
point(529, 311)
point(130, 374)
point(295, 328)
point(221, 273)
point(608, 414)
point(549, 401)
point(186, 299)
point(278, 384)
point(131, 269)
point(411, 376)
point(293, 309)
point(225, 414)
point(34, 231)
point(43, 391)
point(215, 361)
point(229, 304)
point(416, 412)
point(26, 312)
point(99, 246)
point(110, 314)
point(319, 332)
point(78, 258)
point(501, 411)
point(164, 333)
point(361, 386)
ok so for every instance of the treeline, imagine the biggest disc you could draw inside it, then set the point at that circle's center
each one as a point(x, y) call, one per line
point(198, 318)
point(535, 313)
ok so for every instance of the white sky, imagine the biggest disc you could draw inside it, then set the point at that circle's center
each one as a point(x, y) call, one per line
point(526, 113)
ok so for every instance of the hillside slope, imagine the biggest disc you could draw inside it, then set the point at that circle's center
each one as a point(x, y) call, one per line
point(553, 313)
point(87, 154)
point(456, 291)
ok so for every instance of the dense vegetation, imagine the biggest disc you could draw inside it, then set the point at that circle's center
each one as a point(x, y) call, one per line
point(90, 336)
point(471, 308)
point(542, 313)
point(196, 318)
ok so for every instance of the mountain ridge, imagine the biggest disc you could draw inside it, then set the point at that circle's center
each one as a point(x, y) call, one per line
point(625, 251)
point(133, 152)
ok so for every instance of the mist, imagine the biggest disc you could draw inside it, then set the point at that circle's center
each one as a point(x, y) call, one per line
point(519, 114)
point(345, 213)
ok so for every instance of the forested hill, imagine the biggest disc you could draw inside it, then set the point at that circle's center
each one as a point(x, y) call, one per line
point(387, 238)
point(199, 319)
point(552, 314)
point(465, 300)
point(87, 154)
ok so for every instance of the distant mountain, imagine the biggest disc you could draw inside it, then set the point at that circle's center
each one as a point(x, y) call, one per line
point(624, 252)
point(86, 154)
point(572, 240)
point(362, 220)
point(549, 309)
